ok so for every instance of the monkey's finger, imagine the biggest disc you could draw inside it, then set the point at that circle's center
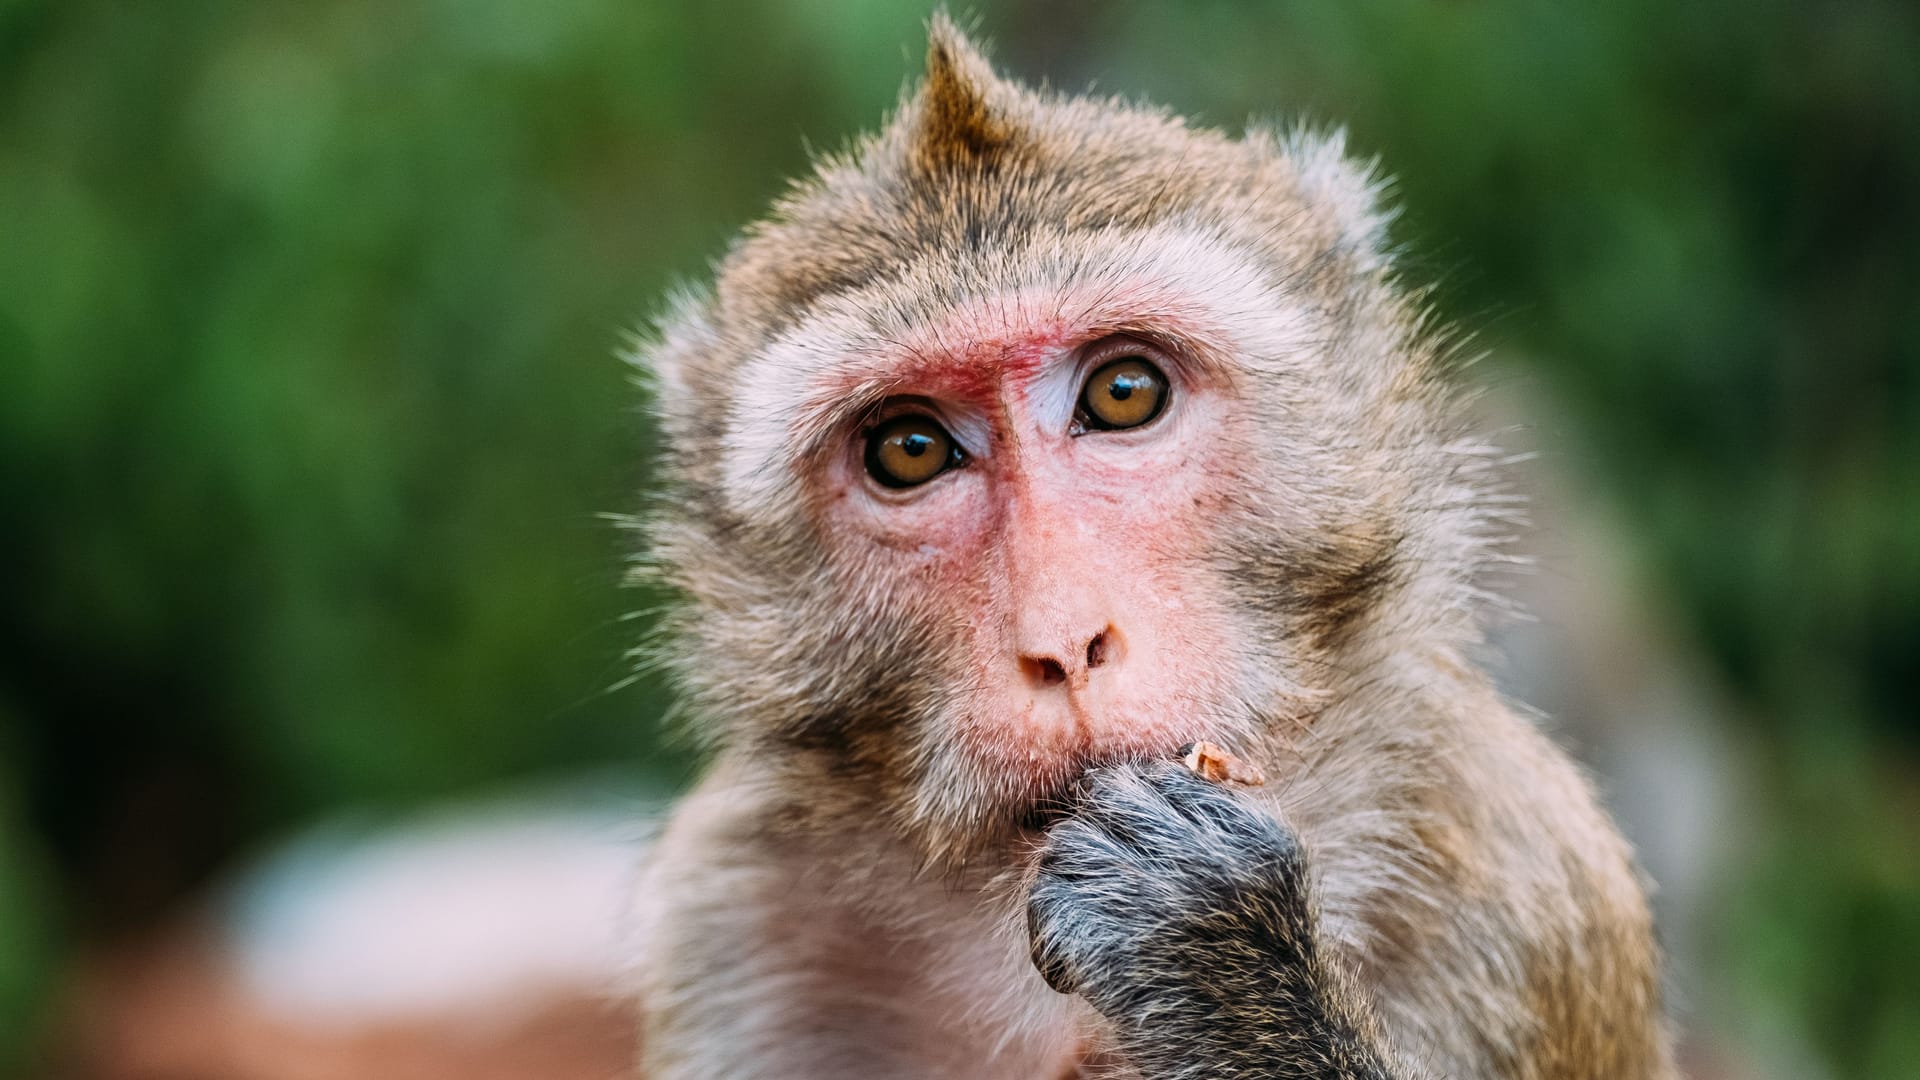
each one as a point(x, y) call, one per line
point(1121, 802)
point(1043, 945)
point(1079, 851)
point(1207, 804)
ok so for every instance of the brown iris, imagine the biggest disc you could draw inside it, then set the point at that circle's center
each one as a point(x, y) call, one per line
point(909, 450)
point(1125, 393)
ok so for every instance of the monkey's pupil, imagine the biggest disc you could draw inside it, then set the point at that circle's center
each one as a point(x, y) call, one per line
point(915, 445)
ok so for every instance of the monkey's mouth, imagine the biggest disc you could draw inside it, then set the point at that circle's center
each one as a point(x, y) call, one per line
point(1057, 799)
point(1040, 814)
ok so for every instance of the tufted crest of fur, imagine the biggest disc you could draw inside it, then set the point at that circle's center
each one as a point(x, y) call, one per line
point(955, 122)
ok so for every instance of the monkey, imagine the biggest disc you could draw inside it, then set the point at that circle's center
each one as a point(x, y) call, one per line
point(1024, 442)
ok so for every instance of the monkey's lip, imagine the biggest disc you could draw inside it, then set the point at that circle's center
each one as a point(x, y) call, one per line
point(1040, 814)
point(1051, 802)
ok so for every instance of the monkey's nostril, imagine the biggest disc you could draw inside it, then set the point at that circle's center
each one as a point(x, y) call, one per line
point(1097, 650)
point(1044, 669)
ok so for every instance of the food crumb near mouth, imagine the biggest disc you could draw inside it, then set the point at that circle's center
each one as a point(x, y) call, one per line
point(1210, 761)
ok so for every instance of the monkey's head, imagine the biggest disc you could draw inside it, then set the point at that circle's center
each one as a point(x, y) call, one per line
point(1039, 431)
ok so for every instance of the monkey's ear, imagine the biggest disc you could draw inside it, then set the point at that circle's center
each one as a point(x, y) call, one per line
point(959, 118)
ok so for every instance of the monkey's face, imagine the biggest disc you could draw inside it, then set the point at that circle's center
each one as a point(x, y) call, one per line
point(975, 545)
point(1040, 502)
point(1042, 433)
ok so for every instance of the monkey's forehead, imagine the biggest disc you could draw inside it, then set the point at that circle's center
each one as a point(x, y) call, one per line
point(973, 164)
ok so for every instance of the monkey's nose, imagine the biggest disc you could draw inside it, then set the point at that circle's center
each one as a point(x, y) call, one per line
point(1073, 663)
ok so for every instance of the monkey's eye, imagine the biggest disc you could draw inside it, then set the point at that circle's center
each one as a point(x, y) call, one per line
point(909, 450)
point(1125, 393)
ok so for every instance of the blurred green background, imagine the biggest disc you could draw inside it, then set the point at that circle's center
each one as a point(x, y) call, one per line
point(309, 407)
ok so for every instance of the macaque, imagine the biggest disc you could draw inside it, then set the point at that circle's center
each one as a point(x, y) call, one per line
point(1024, 444)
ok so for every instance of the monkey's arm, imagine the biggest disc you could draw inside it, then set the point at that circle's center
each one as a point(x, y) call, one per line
point(1183, 917)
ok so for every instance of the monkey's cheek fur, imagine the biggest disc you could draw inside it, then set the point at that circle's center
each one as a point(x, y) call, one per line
point(1148, 860)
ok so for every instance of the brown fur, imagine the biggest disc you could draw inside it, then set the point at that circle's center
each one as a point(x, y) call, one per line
point(808, 914)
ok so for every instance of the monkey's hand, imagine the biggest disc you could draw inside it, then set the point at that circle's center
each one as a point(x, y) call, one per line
point(1182, 916)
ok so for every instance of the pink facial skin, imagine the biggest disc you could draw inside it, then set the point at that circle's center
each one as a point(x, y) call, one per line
point(1094, 632)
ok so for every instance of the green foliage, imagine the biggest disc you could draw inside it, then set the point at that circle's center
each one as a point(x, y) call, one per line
point(308, 402)
point(27, 933)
